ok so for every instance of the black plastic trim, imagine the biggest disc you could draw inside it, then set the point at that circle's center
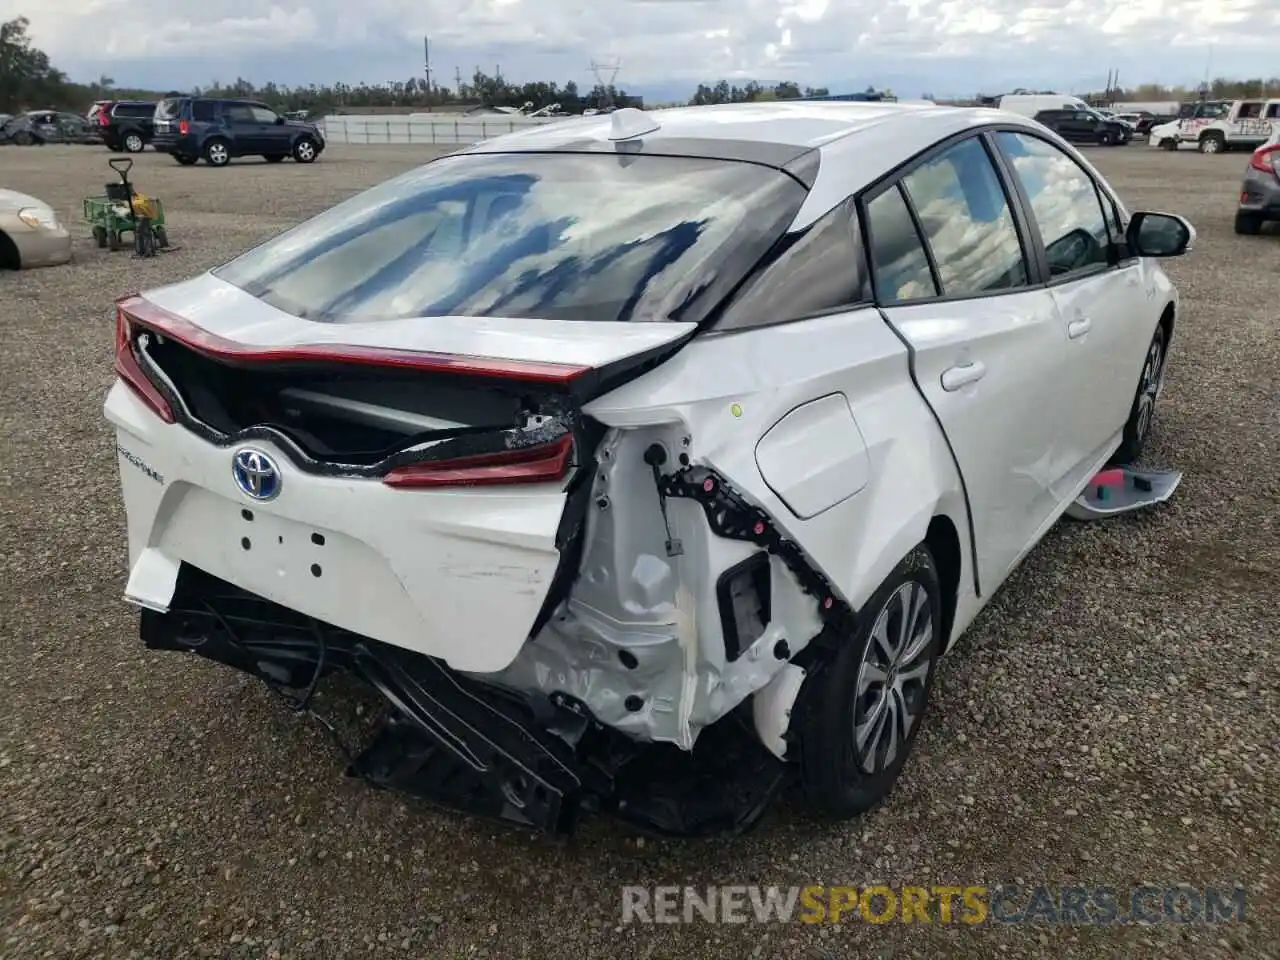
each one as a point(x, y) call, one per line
point(730, 515)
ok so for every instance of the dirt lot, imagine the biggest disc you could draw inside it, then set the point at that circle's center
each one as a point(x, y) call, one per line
point(1113, 718)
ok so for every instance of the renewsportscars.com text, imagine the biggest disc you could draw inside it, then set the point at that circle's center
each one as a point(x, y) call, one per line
point(974, 904)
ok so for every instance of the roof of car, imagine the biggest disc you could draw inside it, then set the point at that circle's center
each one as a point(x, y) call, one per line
point(798, 124)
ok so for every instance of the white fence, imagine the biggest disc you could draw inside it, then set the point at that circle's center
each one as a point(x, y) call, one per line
point(441, 128)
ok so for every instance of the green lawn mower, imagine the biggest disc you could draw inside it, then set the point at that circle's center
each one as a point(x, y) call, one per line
point(123, 210)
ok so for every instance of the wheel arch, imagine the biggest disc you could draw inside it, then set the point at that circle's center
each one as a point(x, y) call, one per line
point(10, 259)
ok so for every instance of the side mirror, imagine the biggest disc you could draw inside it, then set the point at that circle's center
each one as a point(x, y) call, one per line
point(279, 121)
point(1160, 235)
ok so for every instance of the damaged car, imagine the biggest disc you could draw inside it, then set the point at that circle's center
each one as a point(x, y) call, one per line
point(643, 463)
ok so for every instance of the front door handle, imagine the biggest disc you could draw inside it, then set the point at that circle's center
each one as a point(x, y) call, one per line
point(961, 376)
point(1078, 328)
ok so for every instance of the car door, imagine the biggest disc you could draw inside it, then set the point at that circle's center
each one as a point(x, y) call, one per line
point(1098, 290)
point(244, 128)
point(272, 135)
point(953, 279)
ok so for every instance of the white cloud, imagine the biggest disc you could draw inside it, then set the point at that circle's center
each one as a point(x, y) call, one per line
point(659, 41)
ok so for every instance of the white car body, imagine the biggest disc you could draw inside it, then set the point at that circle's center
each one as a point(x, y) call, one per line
point(966, 423)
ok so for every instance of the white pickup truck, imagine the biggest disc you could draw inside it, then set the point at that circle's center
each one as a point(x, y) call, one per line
point(1245, 125)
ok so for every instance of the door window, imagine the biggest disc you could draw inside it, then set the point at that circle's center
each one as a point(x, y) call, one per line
point(263, 115)
point(238, 113)
point(898, 257)
point(1064, 203)
point(967, 221)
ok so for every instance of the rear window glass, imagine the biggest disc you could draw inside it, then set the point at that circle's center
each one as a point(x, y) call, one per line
point(135, 109)
point(557, 236)
point(168, 109)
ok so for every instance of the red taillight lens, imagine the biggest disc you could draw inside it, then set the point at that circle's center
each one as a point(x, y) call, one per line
point(131, 373)
point(544, 463)
point(183, 127)
point(1267, 160)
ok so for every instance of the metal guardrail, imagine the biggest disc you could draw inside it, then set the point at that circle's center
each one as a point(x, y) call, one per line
point(370, 129)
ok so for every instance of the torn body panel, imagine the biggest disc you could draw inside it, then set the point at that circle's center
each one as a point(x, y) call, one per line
point(645, 637)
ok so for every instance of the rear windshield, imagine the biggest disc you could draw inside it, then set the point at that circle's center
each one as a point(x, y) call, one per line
point(135, 109)
point(562, 236)
point(167, 109)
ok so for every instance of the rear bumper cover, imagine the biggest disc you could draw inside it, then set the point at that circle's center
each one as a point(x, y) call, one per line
point(1259, 194)
point(533, 761)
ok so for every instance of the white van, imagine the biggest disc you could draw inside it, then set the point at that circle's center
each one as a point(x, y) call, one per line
point(1029, 104)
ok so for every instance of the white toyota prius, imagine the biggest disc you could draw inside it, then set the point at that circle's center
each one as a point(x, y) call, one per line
point(642, 462)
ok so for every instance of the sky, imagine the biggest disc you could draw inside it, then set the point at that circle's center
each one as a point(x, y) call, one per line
point(665, 47)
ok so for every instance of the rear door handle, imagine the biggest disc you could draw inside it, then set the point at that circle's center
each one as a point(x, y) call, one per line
point(961, 376)
point(1078, 328)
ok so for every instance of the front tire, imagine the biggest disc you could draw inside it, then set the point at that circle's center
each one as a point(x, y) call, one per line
point(1106, 138)
point(862, 712)
point(1212, 143)
point(304, 151)
point(1150, 385)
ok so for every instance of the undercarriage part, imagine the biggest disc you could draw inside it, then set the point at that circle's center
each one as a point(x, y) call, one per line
point(730, 515)
point(526, 759)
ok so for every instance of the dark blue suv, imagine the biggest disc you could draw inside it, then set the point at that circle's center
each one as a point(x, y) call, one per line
point(194, 128)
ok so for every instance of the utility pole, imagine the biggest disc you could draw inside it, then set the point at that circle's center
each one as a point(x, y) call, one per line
point(426, 61)
point(457, 77)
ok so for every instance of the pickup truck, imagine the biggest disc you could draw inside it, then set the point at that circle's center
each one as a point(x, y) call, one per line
point(1244, 125)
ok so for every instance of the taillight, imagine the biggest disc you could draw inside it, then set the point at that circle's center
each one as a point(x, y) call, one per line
point(544, 463)
point(1267, 160)
point(128, 369)
point(103, 119)
point(183, 127)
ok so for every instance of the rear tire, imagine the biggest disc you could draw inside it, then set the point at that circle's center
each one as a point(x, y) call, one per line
point(100, 237)
point(304, 151)
point(133, 143)
point(875, 690)
point(217, 153)
point(1248, 224)
point(1169, 143)
point(186, 161)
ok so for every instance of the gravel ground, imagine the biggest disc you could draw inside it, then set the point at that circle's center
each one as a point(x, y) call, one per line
point(1111, 718)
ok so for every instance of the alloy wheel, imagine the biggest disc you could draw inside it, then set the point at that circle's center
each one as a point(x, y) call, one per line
point(1149, 389)
point(892, 677)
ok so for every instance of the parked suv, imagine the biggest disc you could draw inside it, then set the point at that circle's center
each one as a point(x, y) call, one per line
point(194, 128)
point(125, 125)
point(1085, 126)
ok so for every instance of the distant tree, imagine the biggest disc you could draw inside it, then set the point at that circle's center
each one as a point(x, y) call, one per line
point(28, 80)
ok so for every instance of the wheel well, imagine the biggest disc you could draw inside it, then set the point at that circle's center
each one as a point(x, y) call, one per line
point(9, 259)
point(1166, 322)
point(943, 542)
